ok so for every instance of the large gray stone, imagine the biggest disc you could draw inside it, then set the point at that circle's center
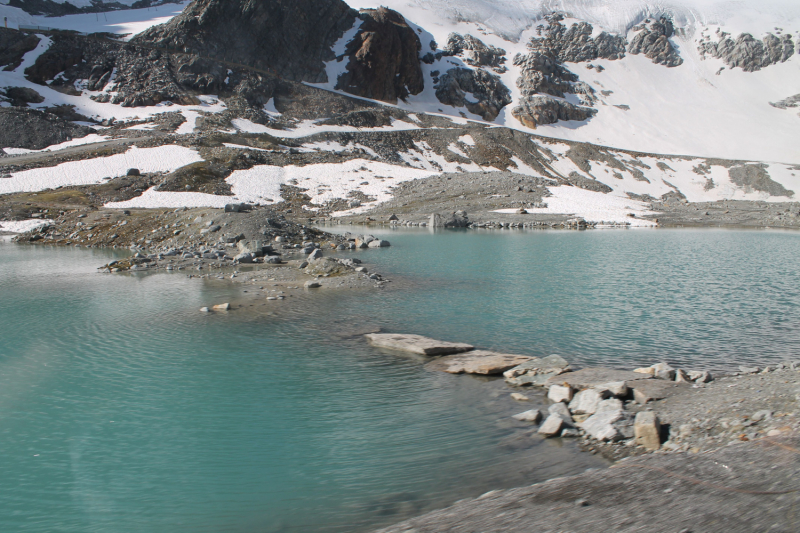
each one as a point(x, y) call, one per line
point(647, 430)
point(560, 409)
point(533, 415)
point(552, 426)
point(477, 362)
point(586, 401)
point(416, 344)
point(609, 425)
point(560, 393)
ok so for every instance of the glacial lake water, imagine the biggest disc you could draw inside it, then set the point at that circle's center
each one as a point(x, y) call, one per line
point(124, 409)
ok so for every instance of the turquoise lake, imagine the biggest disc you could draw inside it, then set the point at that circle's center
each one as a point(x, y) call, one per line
point(125, 409)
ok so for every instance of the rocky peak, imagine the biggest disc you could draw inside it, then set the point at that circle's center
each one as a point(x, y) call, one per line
point(652, 40)
point(747, 52)
point(384, 59)
point(475, 52)
point(290, 38)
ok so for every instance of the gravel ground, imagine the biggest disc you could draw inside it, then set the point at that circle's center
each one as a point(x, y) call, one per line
point(729, 463)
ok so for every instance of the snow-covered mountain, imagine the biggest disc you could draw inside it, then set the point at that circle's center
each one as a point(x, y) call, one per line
point(714, 85)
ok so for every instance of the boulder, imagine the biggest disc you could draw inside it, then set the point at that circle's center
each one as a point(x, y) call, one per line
point(560, 409)
point(245, 257)
point(533, 415)
point(611, 404)
point(681, 376)
point(416, 344)
point(663, 371)
point(618, 389)
point(519, 397)
point(700, 376)
point(609, 425)
point(586, 401)
point(595, 377)
point(477, 362)
point(311, 284)
point(560, 393)
point(647, 430)
point(552, 426)
point(378, 243)
point(222, 307)
point(315, 254)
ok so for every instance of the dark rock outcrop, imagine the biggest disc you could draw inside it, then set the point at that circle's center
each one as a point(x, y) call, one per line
point(34, 130)
point(293, 39)
point(748, 53)
point(475, 52)
point(384, 59)
point(535, 110)
point(14, 45)
point(653, 41)
point(754, 177)
point(22, 96)
point(489, 93)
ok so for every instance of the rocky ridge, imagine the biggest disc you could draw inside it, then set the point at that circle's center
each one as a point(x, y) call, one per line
point(747, 52)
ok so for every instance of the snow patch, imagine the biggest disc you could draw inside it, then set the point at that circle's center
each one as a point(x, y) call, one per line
point(20, 226)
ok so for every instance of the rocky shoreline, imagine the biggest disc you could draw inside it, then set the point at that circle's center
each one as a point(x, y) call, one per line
point(663, 414)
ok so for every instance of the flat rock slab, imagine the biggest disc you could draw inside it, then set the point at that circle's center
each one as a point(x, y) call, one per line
point(593, 377)
point(416, 344)
point(648, 390)
point(477, 362)
point(657, 493)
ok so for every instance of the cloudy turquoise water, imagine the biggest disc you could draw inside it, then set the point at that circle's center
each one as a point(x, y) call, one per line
point(122, 408)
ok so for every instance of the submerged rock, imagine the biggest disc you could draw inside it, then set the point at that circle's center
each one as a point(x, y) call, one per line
point(416, 344)
point(478, 362)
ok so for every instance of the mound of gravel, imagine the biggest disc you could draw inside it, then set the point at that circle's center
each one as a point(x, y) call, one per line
point(34, 130)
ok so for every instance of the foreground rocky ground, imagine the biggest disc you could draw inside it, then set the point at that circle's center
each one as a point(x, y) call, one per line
point(690, 452)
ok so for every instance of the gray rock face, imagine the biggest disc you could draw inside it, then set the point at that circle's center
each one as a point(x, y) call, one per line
point(474, 52)
point(748, 53)
point(533, 415)
point(383, 58)
point(478, 362)
point(755, 177)
point(652, 40)
point(34, 130)
point(786, 103)
point(490, 94)
point(292, 39)
point(536, 110)
point(575, 44)
point(22, 96)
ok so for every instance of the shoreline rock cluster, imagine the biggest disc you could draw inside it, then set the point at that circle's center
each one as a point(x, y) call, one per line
point(614, 412)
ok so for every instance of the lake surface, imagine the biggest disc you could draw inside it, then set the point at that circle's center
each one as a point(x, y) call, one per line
point(124, 409)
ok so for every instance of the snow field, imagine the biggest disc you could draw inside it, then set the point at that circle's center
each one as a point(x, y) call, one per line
point(20, 226)
point(92, 171)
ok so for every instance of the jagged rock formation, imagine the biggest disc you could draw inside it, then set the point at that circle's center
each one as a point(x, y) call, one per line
point(653, 41)
point(14, 45)
point(291, 39)
point(575, 44)
point(34, 130)
point(786, 103)
point(383, 58)
point(491, 94)
point(543, 73)
point(535, 110)
point(749, 53)
point(475, 52)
